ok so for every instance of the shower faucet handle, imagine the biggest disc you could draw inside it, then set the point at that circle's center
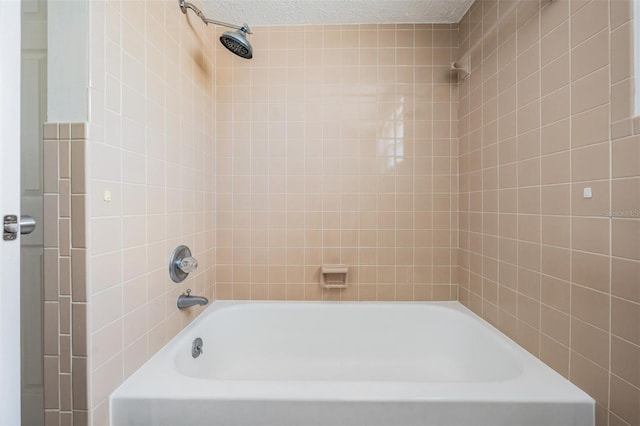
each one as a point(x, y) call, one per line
point(181, 264)
point(188, 264)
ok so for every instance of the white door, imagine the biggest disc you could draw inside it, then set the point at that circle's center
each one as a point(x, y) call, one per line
point(9, 205)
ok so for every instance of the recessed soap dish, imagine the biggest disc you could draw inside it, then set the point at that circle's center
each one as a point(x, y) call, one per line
point(334, 276)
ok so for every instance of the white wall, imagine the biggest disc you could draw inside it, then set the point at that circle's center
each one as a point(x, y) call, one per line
point(68, 65)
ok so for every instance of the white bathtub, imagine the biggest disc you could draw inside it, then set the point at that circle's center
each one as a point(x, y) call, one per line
point(284, 363)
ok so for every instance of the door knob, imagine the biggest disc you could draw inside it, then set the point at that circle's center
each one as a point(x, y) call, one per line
point(12, 226)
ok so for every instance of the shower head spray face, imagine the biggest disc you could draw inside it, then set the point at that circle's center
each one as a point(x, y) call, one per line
point(236, 42)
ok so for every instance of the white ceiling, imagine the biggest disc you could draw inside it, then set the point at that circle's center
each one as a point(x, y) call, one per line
point(315, 12)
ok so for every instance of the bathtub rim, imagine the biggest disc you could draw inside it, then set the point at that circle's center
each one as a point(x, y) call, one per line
point(145, 383)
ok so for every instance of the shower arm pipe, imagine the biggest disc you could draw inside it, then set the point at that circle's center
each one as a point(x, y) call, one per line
point(184, 5)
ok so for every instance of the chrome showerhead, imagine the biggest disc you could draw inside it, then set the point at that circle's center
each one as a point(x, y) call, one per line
point(236, 42)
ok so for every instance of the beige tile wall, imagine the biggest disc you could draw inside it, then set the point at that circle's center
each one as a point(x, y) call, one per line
point(336, 144)
point(298, 184)
point(65, 297)
point(150, 181)
point(546, 113)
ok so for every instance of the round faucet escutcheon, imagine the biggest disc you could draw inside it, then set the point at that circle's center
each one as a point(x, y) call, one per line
point(181, 263)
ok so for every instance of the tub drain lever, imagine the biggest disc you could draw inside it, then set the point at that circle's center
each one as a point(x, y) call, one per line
point(196, 347)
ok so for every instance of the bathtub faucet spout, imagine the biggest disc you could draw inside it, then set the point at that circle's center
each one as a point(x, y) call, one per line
point(187, 300)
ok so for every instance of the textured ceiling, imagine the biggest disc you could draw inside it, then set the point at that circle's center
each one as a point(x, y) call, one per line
point(314, 12)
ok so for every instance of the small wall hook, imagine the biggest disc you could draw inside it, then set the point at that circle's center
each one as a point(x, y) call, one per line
point(461, 67)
